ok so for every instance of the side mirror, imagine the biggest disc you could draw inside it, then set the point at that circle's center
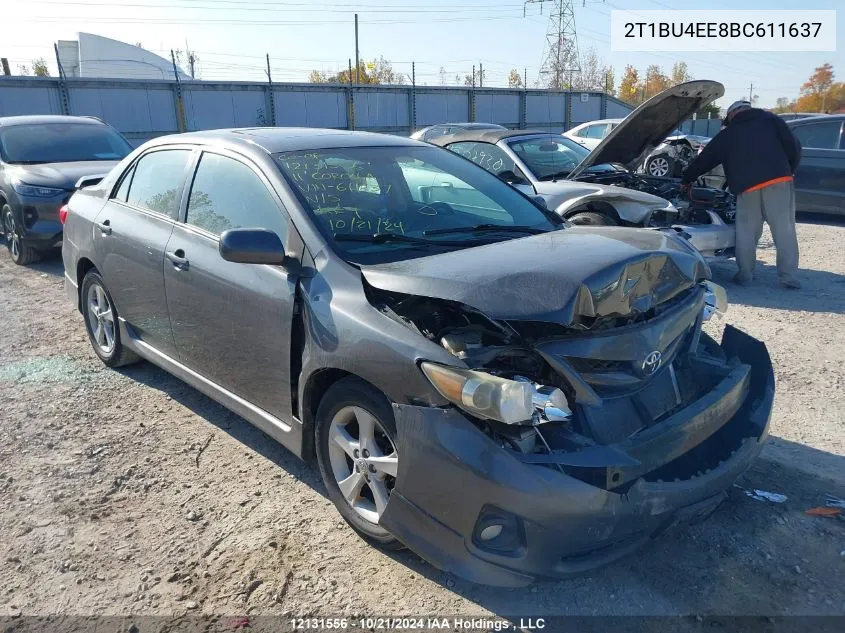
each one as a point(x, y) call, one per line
point(540, 201)
point(511, 178)
point(89, 181)
point(251, 246)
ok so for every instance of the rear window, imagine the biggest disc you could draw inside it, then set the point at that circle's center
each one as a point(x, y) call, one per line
point(61, 143)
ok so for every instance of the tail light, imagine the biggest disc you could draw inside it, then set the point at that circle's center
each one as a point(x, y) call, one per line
point(63, 213)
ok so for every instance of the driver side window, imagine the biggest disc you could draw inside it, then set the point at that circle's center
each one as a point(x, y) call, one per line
point(227, 194)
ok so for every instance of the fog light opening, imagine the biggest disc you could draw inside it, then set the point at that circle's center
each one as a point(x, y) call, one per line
point(490, 532)
point(499, 532)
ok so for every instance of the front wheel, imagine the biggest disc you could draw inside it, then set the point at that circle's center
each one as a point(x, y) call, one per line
point(592, 218)
point(356, 452)
point(21, 253)
point(101, 322)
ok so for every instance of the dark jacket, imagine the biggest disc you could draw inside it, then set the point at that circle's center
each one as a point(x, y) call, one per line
point(755, 147)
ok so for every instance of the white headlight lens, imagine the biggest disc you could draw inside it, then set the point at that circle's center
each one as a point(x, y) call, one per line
point(481, 394)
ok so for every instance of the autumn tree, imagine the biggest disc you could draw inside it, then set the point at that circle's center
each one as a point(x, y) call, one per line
point(629, 87)
point(377, 71)
point(593, 74)
point(680, 73)
point(39, 68)
point(515, 79)
point(816, 91)
point(781, 105)
point(655, 81)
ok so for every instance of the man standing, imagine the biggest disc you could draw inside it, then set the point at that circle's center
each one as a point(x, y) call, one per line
point(759, 154)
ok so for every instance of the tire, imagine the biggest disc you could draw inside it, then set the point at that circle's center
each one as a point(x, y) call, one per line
point(98, 310)
point(343, 405)
point(592, 218)
point(21, 254)
point(661, 166)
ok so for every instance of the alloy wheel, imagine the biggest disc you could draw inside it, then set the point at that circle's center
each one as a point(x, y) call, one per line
point(658, 166)
point(364, 461)
point(100, 318)
point(12, 238)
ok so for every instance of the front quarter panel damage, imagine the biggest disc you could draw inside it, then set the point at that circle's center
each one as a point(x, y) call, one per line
point(569, 526)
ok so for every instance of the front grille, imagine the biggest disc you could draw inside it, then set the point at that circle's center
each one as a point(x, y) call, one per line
point(593, 365)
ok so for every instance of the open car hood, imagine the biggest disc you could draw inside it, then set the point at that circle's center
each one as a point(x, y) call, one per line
point(647, 126)
point(570, 277)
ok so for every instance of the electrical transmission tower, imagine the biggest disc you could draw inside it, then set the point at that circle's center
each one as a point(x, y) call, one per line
point(560, 53)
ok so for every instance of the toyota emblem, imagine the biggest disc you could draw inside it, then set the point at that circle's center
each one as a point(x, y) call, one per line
point(652, 362)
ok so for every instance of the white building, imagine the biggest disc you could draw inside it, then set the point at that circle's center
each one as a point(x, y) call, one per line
point(96, 56)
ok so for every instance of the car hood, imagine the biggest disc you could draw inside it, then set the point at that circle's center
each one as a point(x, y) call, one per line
point(552, 192)
point(60, 175)
point(647, 126)
point(568, 276)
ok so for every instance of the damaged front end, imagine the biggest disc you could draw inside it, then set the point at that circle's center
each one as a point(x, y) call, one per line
point(589, 437)
point(705, 215)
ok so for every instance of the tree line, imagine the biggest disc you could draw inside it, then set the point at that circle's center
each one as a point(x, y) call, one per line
point(820, 93)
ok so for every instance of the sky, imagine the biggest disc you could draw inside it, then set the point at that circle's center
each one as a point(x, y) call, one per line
point(444, 39)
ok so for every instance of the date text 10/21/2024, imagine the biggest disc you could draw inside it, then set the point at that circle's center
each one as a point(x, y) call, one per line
point(465, 624)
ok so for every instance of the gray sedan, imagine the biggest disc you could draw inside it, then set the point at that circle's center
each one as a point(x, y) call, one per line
point(506, 395)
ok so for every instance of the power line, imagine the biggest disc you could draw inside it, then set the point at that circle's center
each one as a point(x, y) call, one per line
point(288, 9)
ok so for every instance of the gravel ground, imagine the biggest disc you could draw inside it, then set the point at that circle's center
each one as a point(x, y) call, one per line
point(128, 492)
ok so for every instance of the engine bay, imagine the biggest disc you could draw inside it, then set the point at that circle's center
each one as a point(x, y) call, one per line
point(694, 208)
point(565, 420)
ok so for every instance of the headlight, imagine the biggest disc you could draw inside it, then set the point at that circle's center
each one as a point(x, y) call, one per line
point(483, 395)
point(715, 300)
point(35, 191)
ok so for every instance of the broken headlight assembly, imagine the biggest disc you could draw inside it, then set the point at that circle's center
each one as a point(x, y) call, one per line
point(490, 397)
point(715, 300)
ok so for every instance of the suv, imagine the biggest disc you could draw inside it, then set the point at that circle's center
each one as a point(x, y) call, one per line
point(41, 160)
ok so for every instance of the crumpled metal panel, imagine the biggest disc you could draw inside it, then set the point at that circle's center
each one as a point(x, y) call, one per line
point(566, 277)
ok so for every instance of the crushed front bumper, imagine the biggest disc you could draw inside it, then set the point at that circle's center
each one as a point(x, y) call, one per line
point(450, 473)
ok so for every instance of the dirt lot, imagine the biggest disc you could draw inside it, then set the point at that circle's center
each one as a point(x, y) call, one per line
point(130, 492)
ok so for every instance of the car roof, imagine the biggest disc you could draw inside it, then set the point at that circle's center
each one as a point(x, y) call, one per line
point(488, 136)
point(287, 139)
point(599, 122)
point(41, 119)
point(809, 120)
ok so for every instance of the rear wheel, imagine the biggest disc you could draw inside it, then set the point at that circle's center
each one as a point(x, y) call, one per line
point(593, 218)
point(20, 252)
point(356, 452)
point(661, 166)
point(101, 322)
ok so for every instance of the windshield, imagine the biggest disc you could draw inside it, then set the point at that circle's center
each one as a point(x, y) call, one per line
point(549, 157)
point(61, 143)
point(382, 204)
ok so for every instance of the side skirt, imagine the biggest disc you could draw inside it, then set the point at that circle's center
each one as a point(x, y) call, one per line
point(288, 435)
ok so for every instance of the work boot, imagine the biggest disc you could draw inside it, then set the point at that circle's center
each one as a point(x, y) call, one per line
point(790, 282)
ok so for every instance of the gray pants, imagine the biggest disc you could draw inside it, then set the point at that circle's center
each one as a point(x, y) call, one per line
point(776, 205)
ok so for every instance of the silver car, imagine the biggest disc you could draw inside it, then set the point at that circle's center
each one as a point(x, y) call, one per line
point(601, 187)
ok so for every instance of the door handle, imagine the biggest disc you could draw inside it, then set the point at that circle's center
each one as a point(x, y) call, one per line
point(104, 227)
point(178, 258)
